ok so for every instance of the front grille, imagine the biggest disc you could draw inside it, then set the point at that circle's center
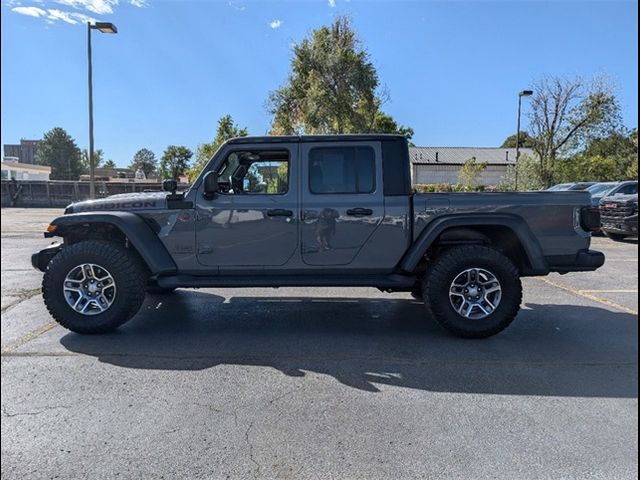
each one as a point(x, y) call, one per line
point(615, 210)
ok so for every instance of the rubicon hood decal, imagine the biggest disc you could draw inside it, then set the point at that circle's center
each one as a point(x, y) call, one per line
point(122, 202)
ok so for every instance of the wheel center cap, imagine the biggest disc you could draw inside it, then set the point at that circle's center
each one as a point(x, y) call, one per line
point(473, 291)
point(93, 288)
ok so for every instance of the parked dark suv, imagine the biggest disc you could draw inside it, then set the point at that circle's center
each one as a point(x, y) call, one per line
point(619, 212)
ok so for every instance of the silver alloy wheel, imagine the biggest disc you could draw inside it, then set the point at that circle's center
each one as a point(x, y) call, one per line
point(475, 293)
point(89, 289)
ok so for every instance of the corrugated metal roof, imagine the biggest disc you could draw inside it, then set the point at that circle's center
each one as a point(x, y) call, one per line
point(459, 155)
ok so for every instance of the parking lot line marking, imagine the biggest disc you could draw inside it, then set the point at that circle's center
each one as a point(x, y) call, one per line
point(584, 294)
point(28, 337)
point(608, 291)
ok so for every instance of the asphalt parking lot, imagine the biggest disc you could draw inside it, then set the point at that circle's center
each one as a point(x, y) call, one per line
point(320, 382)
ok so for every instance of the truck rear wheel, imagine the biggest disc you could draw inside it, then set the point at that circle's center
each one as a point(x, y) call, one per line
point(93, 286)
point(472, 291)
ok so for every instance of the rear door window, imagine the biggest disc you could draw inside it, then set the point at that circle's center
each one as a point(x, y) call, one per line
point(346, 170)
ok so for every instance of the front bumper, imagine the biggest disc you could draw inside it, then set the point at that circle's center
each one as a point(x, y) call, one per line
point(41, 258)
point(624, 226)
point(583, 261)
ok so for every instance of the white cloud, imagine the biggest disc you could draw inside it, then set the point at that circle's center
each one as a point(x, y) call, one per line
point(331, 3)
point(237, 6)
point(30, 11)
point(55, 14)
point(275, 24)
point(52, 15)
point(96, 6)
point(83, 18)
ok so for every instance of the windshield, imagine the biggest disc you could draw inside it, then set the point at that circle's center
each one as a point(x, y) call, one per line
point(600, 188)
point(581, 186)
point(562, 186)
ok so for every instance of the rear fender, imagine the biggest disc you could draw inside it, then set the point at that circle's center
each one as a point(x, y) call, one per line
point(432, 231)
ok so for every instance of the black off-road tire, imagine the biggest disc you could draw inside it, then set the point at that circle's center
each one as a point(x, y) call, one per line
point(616, 237)
point(447, 266)
point(127, 271)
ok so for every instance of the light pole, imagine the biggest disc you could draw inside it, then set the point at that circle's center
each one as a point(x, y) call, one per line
point(104, 27)
point(523, 93)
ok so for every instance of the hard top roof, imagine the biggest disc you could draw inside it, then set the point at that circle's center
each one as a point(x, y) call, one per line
point(315, 138)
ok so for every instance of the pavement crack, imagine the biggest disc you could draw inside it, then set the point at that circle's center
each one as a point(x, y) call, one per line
point(235, 359)
point(247, 440)
point(23, 295)
point(38, 412)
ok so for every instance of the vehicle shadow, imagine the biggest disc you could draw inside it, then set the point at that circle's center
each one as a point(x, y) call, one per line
point(555, 350)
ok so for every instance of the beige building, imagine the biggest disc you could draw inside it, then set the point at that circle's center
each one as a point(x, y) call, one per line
point(14, 170)
point(119, 175)
point(443, 164)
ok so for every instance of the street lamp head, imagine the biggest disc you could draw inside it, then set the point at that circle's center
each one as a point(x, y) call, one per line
point(526, 93)
point(105, 27)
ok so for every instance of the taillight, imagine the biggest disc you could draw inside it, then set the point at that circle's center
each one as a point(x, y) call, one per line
point(590, 219)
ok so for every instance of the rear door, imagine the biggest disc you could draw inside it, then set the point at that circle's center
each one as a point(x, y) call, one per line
point(342, 200)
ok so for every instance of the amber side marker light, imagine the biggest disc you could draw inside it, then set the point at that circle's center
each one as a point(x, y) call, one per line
point(51, 228)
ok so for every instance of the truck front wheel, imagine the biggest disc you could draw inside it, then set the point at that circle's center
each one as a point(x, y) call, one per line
point(93, 286)
point(472, 291)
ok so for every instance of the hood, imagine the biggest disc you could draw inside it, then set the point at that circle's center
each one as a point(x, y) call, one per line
point(620, 198)
point(122, 202)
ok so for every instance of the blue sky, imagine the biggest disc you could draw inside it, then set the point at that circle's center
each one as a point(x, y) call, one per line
point(452, 69)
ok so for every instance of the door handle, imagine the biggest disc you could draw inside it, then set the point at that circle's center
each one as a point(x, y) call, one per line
point(279, 212)
point(359, 212)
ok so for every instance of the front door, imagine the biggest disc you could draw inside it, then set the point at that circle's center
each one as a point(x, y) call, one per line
point(342, 200)
point(252, 221)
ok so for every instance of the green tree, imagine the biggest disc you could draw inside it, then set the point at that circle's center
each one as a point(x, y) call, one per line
point(98, 156)
point(583, 168)
point(333, 87)
point(528, 171)
point(226, 129)
point(526, 141)
point(109, 164)
point(145, 160)
point(384, 123)
point(175, 161)
point(59, 151)
point(568, 113)
point(632, 171)
point(470, 173)
point(621, 146)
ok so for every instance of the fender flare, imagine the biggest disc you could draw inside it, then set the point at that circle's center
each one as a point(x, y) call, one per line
point(141, 236)
point(515, 223)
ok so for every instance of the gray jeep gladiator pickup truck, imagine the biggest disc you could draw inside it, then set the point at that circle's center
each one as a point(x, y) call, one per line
point(332, 210)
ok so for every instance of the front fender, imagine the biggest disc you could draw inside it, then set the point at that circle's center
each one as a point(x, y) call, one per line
point(516, 224)
point(135, 229)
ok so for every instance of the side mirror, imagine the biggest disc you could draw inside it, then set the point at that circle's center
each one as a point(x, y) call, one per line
point(170, 185)
point(210, 182)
